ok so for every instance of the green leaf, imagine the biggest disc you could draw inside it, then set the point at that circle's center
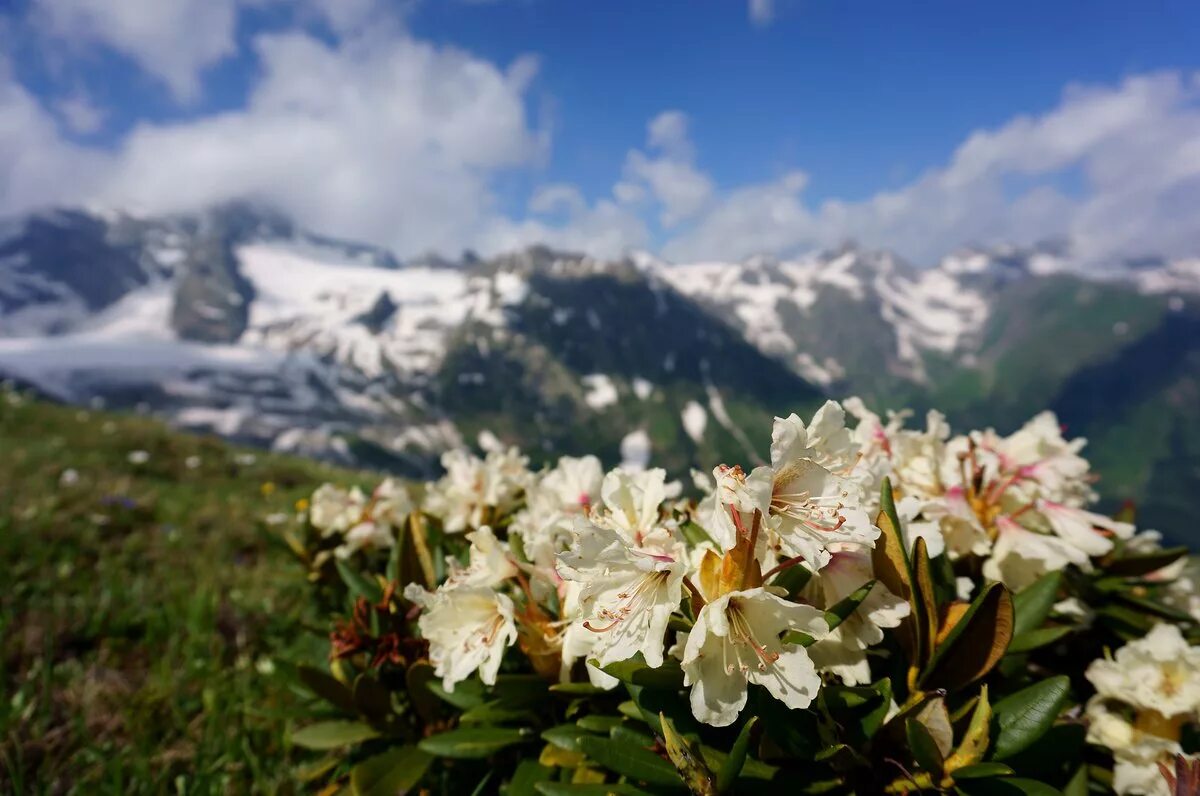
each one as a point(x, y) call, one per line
point(859, 710)
point(923, 747)
point(1032, 604)
point(466, 695)
point(598, 723)
point(333, 734)
point(1145, 563)
point(843, 608)
point(1034, 639)
point(521, 690)
point(418, 680)
point(1022, 718)
point(1155, 608)
point(397, 770)
point(473, 742)
point(358, 584)
point(577, 689)
point(1007, 786)
point(496, 711)
point(792, 579)
point(372, 700)
point(975, 644)
point(981, 771)
point(327, 687)
point(737, 757)
point(637, 764)
point(565, 736)
point(636, 671)
point(574, 789)
point(526, 777)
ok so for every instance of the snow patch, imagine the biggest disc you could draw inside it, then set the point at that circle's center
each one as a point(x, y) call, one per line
point(601, 392)
point(695, 419)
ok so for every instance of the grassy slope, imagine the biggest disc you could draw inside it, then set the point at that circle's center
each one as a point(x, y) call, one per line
point(147, 615)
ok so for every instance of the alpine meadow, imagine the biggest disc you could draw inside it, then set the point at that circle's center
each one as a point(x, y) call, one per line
point(538, 398)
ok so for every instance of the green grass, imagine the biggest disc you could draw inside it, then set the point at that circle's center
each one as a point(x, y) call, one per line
point(148, 613)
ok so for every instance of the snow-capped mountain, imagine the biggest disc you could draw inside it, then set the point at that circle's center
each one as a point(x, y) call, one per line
point(237, 322)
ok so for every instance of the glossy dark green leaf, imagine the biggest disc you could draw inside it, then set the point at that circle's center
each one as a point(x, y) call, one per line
point(981, 771)
point(636, 671)
point(425, 701)
point(859, 710)
point(333, 734)
point(1024, 717)
point(598, 723)
point(923, 747)
point(1145, 563)
point(326, 686)
point(729, 772)
point(473, 742)
point(1032, 604)
point(372, 699)
point(843, 608)
point(466, 694)
point(526, 777)
point(1007, 786)
point(496, 711)
point(792, 580)
point(640, 765)
point(579, 789)
point(565, 736)
point(1037, 638)
point(397, 770)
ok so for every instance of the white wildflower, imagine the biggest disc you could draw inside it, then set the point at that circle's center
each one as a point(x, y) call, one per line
point(736, 641)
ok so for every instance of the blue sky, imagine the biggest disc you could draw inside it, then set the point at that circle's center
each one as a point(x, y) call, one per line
point(781, 125)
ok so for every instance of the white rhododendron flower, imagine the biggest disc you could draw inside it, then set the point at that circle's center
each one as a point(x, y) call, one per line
point(391, 502)
point(734, 501)
point(817, 509)
point(628, 591)
point(468, 628)
point(1145, 693)
point(1159, 672)
point(334, 510)
point(475, 491)
point(633, 502)
point(736, 642)
point(844, 650)
point(366, 534)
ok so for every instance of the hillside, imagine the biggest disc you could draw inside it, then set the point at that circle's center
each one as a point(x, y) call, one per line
point(149, 615)
point(236, 322)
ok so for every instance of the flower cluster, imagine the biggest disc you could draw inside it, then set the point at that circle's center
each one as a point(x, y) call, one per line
point(864, 553)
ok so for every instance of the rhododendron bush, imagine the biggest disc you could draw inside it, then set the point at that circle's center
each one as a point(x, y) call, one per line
point(880, 609)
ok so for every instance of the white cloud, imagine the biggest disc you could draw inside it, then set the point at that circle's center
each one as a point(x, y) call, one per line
point(380, 136)
point(762, 12)
point(390, 140)
point(80, 114)
point(669, 175)
point(174, 40)
point(1134, 147)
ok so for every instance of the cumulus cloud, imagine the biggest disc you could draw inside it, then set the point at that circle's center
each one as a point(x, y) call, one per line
point(1113, 170)
point(174, 41)
point(387, 139)
point(666, 172)
point(368, 132)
